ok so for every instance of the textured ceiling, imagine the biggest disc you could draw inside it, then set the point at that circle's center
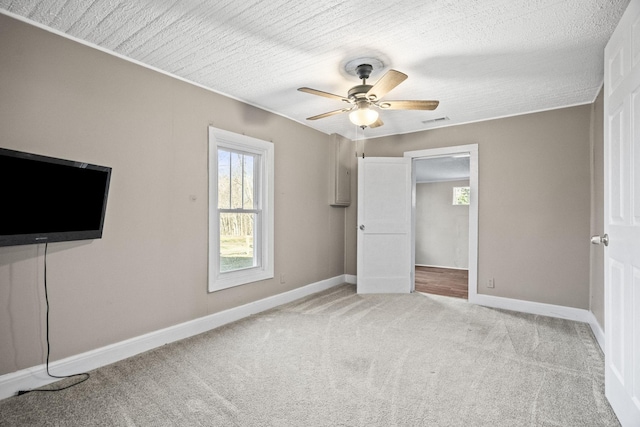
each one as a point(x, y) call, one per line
point(480, 59)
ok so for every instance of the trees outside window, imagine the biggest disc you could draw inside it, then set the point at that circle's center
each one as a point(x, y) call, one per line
point(461, 195)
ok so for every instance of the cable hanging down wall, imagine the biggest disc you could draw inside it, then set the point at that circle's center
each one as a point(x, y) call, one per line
point(84, 376)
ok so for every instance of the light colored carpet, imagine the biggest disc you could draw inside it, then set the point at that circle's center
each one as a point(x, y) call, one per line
point(342, 359)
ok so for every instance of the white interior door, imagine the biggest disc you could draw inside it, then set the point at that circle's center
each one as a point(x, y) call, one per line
point(622, 217)
point(384, 225)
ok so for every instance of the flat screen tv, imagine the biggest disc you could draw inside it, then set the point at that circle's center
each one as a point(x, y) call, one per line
point(45, 199)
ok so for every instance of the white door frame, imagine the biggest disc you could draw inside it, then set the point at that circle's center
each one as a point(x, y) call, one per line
point(472, 150)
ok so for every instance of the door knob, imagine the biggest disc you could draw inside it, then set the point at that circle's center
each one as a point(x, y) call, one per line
point(597, 240)
point(362, 227)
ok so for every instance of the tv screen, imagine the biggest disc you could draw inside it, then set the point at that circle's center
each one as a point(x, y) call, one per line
point(45, 199)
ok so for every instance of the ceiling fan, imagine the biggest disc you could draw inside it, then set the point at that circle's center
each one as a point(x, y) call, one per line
point(363, 97)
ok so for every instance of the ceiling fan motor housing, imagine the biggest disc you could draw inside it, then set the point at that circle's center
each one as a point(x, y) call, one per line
point(358, 92)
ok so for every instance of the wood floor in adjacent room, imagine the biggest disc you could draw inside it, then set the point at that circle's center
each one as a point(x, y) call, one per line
point(442, 281)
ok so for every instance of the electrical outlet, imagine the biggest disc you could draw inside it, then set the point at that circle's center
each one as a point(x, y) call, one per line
point(282, 279)
point(491, 283)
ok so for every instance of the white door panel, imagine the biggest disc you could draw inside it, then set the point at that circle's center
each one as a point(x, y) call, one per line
point(384, 225)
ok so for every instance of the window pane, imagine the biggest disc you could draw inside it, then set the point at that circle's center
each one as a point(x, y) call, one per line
point(236, 180)
point(461, 195)
point(237, 249)
point(224, 179)
point(248, 199)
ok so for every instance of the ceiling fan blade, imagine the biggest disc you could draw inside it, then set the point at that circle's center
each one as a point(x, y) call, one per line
point(408, 105)
point(391, 79)
point(330, 113)
point(321, 93)
point(377, 123)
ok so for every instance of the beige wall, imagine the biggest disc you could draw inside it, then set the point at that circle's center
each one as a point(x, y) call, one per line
point(534, 201)
point(442, 228)
point(149, 271)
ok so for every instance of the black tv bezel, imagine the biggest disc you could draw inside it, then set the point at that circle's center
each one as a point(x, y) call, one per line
point(63, 236)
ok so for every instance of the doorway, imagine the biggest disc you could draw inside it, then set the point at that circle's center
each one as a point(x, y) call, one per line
point(442, 196)
point(445, 246)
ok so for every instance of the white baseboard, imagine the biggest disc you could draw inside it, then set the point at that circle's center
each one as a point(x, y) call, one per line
point(350, 278)
point(542, 309)
point(597, 330)
point(36, 376)
point(531, 307)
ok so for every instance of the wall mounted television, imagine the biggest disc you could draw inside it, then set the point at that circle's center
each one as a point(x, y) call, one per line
point(46, 199)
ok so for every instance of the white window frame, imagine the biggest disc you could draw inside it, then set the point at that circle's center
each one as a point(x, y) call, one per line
point(219, 138)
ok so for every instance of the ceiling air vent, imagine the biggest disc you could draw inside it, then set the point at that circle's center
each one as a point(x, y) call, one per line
point(439, 119)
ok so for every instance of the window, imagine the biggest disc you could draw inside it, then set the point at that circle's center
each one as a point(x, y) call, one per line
point(461, 195)
point(240, 209)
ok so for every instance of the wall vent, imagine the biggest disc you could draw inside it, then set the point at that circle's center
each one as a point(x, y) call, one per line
point(439, 119)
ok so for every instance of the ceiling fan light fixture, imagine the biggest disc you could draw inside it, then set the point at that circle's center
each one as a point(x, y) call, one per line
point(363, 116)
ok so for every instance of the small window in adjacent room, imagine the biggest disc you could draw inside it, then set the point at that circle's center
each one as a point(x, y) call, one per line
point(240, 209)
point(461, 195)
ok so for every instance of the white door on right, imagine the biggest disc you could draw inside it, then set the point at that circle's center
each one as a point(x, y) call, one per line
point(622, 217)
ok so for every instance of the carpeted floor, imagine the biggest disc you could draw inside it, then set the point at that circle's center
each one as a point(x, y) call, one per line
point(342, 359)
